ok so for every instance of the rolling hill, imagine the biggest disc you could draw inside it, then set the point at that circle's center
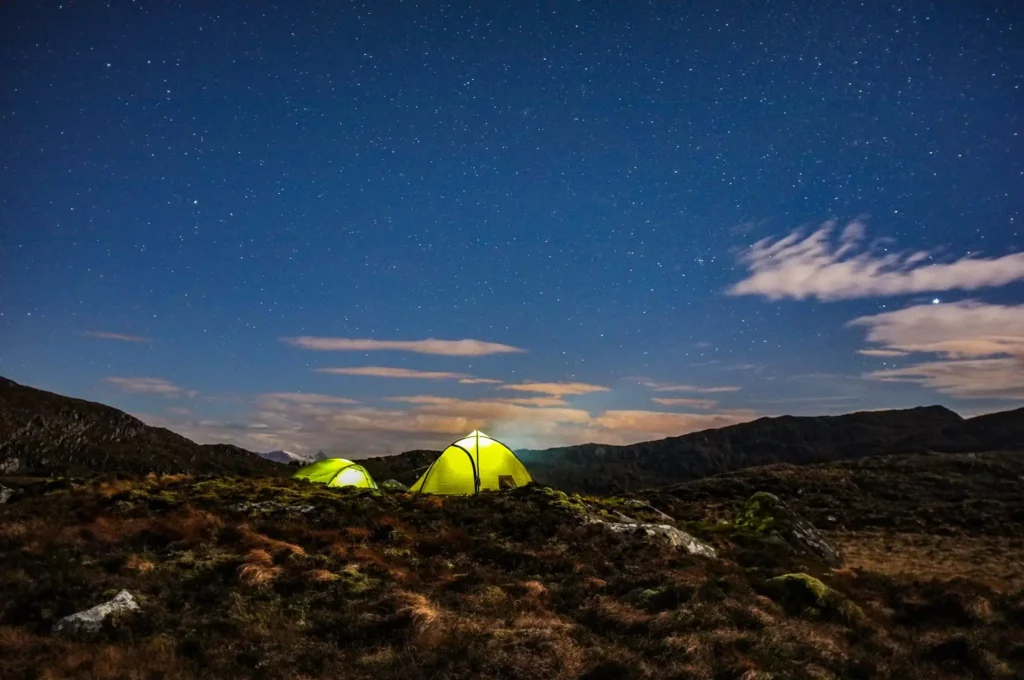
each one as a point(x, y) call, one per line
point(42, 433)
point(597, 468)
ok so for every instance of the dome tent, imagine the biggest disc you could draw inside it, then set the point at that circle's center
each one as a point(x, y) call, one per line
point(473, 464)
point(337, 472)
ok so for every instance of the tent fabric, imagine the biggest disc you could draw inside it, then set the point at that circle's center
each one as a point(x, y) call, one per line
point(475, 463)
point(337, 472)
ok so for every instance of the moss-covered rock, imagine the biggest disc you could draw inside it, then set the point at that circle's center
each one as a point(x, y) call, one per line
point(765, 515)
point(806, 596)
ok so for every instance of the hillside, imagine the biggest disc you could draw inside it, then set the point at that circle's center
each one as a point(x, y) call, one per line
point(597, 468)
point(42, 433)
point(273, 578)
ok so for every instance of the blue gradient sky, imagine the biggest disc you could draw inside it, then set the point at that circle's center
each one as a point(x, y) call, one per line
point(577, 180)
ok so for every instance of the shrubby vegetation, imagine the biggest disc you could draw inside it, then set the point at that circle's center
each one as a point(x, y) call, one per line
point(272, 578)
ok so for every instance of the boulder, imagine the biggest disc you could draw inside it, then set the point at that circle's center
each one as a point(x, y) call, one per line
point(764, 513)
point(393, 485)
point(803, 595)
point(677, 538)
point(91, 620)
point(5, 494)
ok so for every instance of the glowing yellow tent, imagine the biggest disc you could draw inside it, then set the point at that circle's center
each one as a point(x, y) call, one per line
point(473, 464)
point(337, 472)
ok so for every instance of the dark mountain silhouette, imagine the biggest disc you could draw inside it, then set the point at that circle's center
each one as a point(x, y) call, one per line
point(42, 433)
point(597, 468)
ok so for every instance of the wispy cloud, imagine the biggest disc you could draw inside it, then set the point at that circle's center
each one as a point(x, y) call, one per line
point(154, 386)
point(882, 352)
point(309, 398)
point(978, 348)
point(388, 372)
point(122, 337)
point(682, 401)
point(655, 423)
point(480, 381)
point(697, 389)
point(556, 389)
point(428, 421)
point(462, 348)
point(815, 266)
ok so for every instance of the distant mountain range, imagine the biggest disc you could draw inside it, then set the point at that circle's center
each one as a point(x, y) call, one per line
point(42, 433)
point(285, 457)
point(597, 468)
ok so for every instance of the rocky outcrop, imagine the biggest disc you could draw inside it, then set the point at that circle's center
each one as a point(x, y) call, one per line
point(677, 538)
point(91, 620)
point(765, 514)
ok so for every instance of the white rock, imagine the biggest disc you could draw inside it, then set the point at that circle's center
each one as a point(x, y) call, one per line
point(5, 494)
point(91, 620)
point(677, 538)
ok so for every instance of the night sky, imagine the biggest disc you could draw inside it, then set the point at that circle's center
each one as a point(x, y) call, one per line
point(369, 227)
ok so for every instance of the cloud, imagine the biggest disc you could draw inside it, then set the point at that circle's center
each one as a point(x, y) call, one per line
point(308, 398)
point(154, 386)
point(960, 329)
point(650, 423)
point(104, 335)
point(669, 387)
point(1001, 378)
point(977, 348)
point(428, 421)
point(693, 403)
point(386, 372)
point(480, 381)
point(882, 352)
point(462, 348)
point(801, 267)
point(556, 389)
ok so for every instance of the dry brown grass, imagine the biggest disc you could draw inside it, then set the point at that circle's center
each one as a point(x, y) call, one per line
point(139, 564)
point(264, 542)
point(995, 561)
point(258, 569)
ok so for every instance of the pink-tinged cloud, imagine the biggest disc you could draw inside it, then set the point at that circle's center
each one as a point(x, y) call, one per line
point(308, 398)
point(697, 389)
point(121, 337)
point(556, 389)
point(682, 401)
point(814, 266)
point(154, 386)
point(999, 378)
point(480, 381)
point(429, 421)
point(979, 348)
point(882, 352)
point(388, 372)
point(461, 348)
point(954, 330)
point(651, 423)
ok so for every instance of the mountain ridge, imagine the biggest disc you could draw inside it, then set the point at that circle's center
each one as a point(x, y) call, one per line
point(45, 433)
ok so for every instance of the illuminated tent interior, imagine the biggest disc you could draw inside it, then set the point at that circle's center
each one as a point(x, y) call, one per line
point(337, 472)
point(475, 463)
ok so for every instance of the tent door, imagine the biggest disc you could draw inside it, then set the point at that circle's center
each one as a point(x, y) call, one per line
point(506, 482)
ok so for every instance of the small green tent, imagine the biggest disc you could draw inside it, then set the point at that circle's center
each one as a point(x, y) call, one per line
point(473, 464)
point(337, 472)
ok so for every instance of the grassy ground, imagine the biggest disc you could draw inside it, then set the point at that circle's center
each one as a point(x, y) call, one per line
point(265, 578)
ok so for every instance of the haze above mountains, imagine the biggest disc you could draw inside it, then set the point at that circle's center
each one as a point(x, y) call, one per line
point(42, 433)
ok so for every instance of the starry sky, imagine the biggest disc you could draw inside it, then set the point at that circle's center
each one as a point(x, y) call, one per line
point(367, 227)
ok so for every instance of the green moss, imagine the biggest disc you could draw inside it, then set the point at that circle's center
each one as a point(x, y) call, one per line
point(756, 514)
point(809, 597)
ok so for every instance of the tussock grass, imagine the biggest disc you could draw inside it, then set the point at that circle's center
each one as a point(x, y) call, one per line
point(233, 582)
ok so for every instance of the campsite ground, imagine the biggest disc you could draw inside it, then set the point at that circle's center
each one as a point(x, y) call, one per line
point(272, 578)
